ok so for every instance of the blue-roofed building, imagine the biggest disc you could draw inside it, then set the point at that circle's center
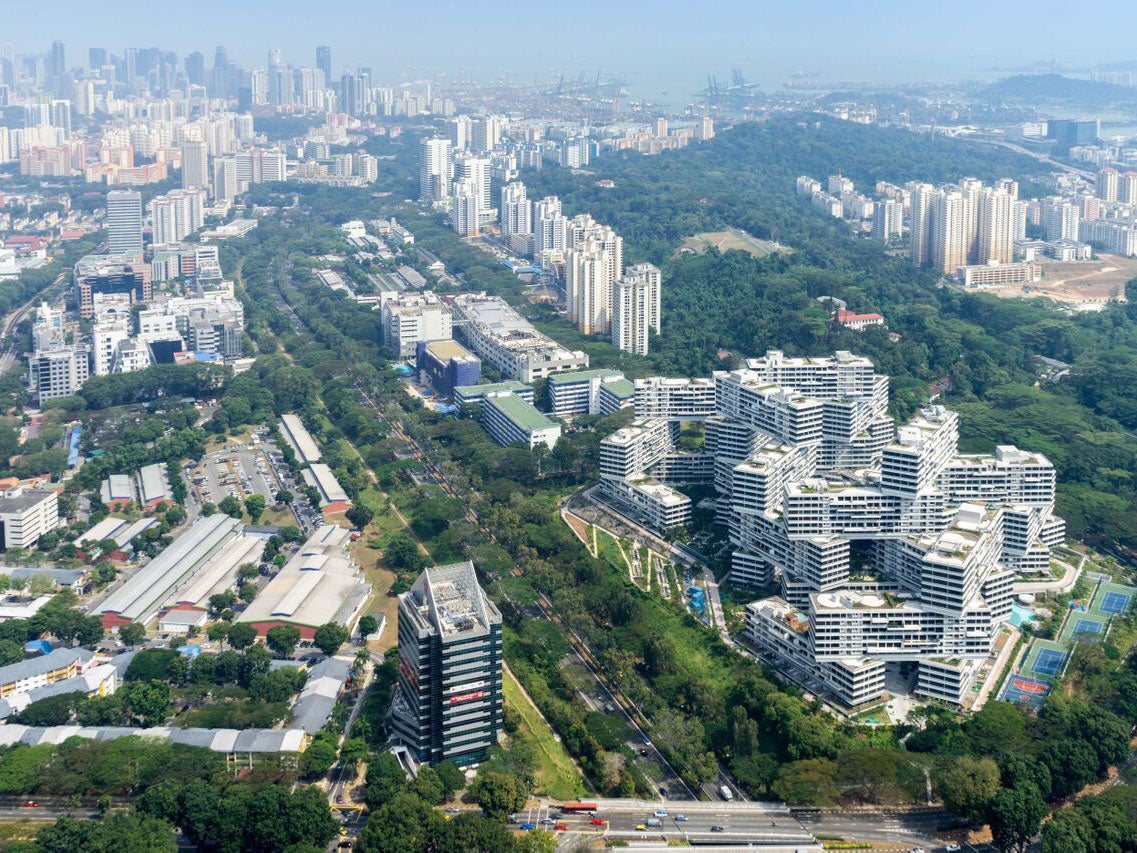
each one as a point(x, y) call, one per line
point(73, 446)
point(447, 365)
point(37, 647)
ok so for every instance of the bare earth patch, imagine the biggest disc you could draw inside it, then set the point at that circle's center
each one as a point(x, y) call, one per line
point(1083, 285)
point(729, 240)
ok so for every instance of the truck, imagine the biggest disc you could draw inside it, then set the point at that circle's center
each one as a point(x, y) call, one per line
point(726, 793)
point(653, 821)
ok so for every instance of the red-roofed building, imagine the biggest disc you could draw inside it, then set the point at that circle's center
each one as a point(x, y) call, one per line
point(858, 322)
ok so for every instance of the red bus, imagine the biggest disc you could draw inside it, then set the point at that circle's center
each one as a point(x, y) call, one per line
point(579, 807)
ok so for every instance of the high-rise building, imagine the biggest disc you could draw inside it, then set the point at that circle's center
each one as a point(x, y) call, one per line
point(177, 214)
point(225, 178)
point(588, 287)
point(124, 222)
point(324, 62)
point(466, 212)
point(516, 211)
point(460, 129)
point(56, 60)
point(920, 229)
point(195, 68)
point(1127, 188)
point(550, 227)
point(996, 241)
point(1107, 184)
point(195, 165)
point(436, 169)
point(636, 308)
point(948, 237)
point(485, 134)
point(96, 58)
point(1060, 219)
point(447, 704)
point(887, 220)
point(477, 170)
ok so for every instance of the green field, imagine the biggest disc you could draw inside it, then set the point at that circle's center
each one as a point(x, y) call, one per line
point(733, 239)
point(557, 776)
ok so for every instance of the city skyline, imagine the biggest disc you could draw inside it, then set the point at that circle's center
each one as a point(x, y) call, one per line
point(666, 62)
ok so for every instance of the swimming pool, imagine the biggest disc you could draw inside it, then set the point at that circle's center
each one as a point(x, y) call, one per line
point(1020, 614)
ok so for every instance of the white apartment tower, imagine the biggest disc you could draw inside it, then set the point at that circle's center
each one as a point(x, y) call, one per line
point(195, 165)
point(124, 222)
point(887, 220)
point(996, 215)
point(588, 287)
point(948, 232)
point(466, 212)
point(225, 185)
point(636, 308)
point(920, 240)
point(477, 171)
point(516, 211)
point(1060, 219)
point(436, 169)
point(550, 227)
point(1107, 184)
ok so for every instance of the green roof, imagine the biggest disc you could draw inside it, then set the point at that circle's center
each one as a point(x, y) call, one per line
point(520, 412)
point(475, 391)
point(620, 388)
point(582, 375)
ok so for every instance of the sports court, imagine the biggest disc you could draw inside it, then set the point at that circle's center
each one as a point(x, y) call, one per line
point(1044, 660)
point(1025, 690)
point(1089, 627)
point(1113, 598)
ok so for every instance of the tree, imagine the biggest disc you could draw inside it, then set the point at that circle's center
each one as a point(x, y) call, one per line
point(197, 809)
point(406, 824)
point(499, 794)
point(242, 635)
point(385, 779)
point(132, 634)
point(353, 751)
point(277, 819)
point(161, 800)
point(967, 784)
point(474, 832)
point(282, 639)
point(248, 571)
point(148, 701)
point(810, 782)
point(247, 592)
point(451, 778)
point(368, 625)
point(49, 711)
point(255, 507)
point(41, 583)
point(329, 637)
point(217, 631)
point(402, 552)
point(757, 771)
point(284, 497)
point(320, 755)
point(360, 516)
point(1015, 815)
point(10, 652)
point(1068, 832)
point(230, 506)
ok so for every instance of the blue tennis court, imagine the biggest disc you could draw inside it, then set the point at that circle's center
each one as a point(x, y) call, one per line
point(1088, 626)
point(1115, 602)
point(1048, 662)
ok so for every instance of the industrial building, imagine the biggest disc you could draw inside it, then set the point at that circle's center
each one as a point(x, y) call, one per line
point(447, 704)
point(503, 338)
point(332, 496)
point(319, 584)
point(299, 439)
point(158, 582)
point(472, 395)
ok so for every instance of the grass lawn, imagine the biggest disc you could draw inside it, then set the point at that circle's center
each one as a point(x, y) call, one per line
point(556, 774)
point(23, 829)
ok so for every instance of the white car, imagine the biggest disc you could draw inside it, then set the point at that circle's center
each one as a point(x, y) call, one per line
point(953, 848)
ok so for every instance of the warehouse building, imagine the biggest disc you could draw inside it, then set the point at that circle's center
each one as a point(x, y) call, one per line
point(318, 696)
point(299, 439)
point(320, 584)
point(332, 496)
point(235, 743)
point(158, 582)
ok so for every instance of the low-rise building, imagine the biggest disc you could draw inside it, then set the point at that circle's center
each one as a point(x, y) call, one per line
point(589, 392)
point(298, 437)
point(320, 477)
point(510, 420)
point(446, 365)
point(26, 515)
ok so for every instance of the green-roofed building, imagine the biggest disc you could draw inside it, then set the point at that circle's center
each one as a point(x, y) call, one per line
point(589, 392)
point(509, 420)
point(472, 395)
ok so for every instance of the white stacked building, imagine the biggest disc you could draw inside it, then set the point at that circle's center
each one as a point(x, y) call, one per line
point(891, 550)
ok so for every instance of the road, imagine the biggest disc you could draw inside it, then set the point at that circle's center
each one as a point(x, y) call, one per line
point(1019, 149)
point(930, 829)
point(14, 318)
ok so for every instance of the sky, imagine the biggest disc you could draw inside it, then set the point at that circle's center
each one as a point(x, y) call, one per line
point(657, 45)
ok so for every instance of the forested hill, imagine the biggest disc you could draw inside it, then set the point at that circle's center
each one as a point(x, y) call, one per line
point(745, 178)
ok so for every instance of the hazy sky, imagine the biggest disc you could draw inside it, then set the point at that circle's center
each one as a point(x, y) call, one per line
point(657, 44)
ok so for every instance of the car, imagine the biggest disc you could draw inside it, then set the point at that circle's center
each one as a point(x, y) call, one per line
point(345, 844)
point(953, 848)
point(681, 818)
point(548, 820)
point(339, 800)
point(30, 804)
point(560, 827)
point(663, 792)
point(718, 828)
point(646, 741)
point(526, 827)
point(660, 813)
point(641, 827)
point(597, 822)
